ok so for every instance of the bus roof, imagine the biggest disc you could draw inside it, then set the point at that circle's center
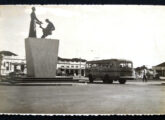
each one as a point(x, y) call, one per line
point(108, 60)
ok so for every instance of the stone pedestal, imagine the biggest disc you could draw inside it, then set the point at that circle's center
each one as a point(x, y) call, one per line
point(41, 57)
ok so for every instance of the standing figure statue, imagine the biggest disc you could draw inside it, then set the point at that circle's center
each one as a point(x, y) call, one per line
point(48, 30)
point(34, 20)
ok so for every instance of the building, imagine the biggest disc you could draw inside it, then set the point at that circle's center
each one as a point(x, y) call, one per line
point(12, 64)
point(139, 72)
point(65, 66)
point(71, 67)
point(159, 70)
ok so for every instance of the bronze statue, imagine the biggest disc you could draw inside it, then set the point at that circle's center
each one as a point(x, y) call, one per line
point(48, 30)
point(34, 20)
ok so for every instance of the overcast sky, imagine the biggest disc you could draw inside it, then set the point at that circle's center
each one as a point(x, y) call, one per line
point(135, 33)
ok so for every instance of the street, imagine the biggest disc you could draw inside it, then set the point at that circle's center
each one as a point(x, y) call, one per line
point(134, 97)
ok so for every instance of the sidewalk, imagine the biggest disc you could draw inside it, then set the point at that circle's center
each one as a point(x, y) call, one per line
point(43, 84)
point(78, 80)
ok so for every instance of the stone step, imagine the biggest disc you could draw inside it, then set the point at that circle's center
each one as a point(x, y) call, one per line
point(56, 79)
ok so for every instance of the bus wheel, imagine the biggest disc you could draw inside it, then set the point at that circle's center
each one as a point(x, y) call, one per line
point(90, 78)
point(122, 81)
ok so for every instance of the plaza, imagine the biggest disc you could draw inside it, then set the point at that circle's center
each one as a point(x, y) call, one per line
point(135, 97)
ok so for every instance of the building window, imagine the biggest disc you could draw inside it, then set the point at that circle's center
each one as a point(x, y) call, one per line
point(22, 68)
point(10, 65)
point(7, 68)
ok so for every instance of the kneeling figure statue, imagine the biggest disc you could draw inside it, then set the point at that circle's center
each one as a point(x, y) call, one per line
point(48, 30)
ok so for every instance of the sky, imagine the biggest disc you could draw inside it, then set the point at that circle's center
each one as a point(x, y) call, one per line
point(91, 32)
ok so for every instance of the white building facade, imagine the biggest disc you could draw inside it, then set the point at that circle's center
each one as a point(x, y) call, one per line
point(12, 64)
point(159, 70)
point(65, 67)
point(71, 67)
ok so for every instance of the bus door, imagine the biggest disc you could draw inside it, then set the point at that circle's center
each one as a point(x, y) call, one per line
point(95, 69)
point(114, 69)
point(125, 68)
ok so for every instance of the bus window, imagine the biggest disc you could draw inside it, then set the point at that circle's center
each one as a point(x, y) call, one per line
point(94, 65)
point(125, 65)
point(105, 65)
point(98, 65)
point(110, 65)
point(122, 65)
point(129, 65)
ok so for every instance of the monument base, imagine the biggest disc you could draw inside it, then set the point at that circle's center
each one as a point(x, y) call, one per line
point(41, 57)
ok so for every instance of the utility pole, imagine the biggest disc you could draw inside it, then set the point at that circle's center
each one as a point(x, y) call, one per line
point(1, 58)
point(80, 66)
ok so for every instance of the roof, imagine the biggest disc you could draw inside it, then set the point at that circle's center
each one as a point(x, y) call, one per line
point(141, 68)
point(108, 60)
point(161, 65)
point(7, 53)
point(72, 60)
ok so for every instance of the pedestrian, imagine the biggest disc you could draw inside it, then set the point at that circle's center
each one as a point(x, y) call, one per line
point(144, 75)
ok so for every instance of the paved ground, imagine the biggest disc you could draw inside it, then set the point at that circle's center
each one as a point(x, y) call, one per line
point(131, 98)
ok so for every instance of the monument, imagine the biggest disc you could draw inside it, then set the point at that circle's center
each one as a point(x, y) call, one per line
point(48, 30)
point(33, 22)
point(41, 53)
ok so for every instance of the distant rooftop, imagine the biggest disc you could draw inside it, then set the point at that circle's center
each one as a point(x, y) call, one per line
point(161, 65)
point(107, 60)
point(7, 53)
point(73, 59)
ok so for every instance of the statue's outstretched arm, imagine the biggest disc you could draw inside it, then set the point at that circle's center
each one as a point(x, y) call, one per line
point(53, 28)
point(38, 21)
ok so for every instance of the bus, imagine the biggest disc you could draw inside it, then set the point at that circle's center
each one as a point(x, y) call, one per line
point(109, 70)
